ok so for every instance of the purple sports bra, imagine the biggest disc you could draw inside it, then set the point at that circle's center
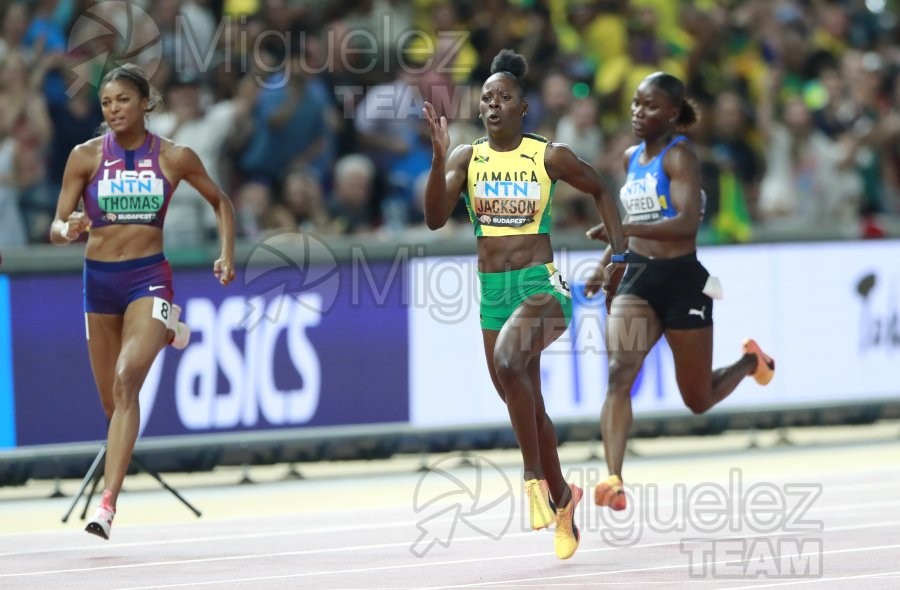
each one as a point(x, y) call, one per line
point(129, 187)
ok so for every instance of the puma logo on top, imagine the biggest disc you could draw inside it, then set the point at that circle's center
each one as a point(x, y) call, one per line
point(531, 157)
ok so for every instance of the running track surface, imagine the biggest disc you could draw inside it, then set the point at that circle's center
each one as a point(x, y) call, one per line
point(706, 512)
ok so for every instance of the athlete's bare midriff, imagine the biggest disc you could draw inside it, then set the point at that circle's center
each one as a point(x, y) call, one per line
point(659, 249)
point(504, 253)
point(115, 243)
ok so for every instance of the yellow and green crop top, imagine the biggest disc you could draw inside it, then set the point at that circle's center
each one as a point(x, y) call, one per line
point(509, 193)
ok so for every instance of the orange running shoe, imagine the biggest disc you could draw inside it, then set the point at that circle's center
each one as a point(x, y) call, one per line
point(540, 514)
point(567, 537)
point(610, 493)
point(765, 365)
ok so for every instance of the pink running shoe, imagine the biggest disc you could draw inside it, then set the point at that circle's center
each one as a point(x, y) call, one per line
point(101, 524)
point(182, 333)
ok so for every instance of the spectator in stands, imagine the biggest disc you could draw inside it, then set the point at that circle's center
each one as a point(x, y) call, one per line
point(810, 180)
point(465, 126)
point(45, 36)
point(387, 121)
point(892, 151)
point(24, 119)
point(12, 32)
point(579, 129)
point(353, 202)
point(289, 125)
point(397, 204)
point(617, 79)
point(552, 104)
point(525, 304)
point(299, 207)
point(191, 121)
point(13, 232)
point(725, 52)
point(732, 144)
point(73, 119)
point(302, 199)
point(256, 211)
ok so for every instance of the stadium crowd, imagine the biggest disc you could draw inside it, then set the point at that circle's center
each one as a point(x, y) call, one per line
point(309, 112)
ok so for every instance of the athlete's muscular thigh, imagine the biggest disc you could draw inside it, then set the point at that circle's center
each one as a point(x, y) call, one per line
point(143, 336)
point(104, 339)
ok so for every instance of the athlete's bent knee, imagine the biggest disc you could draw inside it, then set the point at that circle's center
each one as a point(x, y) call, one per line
point(509, 366)
point(697, 404)
point(127, 385)
point(622, 375)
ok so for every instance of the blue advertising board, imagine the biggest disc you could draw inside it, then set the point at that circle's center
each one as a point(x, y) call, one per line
point(7, 399)
point(292, 345)
point(281, 348)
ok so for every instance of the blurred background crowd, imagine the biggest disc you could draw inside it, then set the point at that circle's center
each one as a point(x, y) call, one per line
point(308, 112)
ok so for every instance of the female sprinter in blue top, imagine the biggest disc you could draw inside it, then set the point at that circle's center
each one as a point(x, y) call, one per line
point(507, 179)
point(126, 178)
point(664, 286)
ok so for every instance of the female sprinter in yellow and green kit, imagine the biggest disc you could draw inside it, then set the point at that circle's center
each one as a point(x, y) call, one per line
point(507, 179)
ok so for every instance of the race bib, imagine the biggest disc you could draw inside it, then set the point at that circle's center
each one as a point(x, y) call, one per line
point(131, 199)
point(507, 203)
point(640, 199)
point(162, 311)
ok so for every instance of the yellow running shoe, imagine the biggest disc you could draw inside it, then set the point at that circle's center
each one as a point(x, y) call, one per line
point(539, 512)
point(765, 365)
point(566, 539)
point(610, 493)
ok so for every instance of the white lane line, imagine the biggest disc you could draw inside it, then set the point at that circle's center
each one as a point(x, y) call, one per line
point(499, 583)
point(393, 524)
point(211, 539)
point(372, 569)
point(554, 578)
point(822, 579)
point(299, 552)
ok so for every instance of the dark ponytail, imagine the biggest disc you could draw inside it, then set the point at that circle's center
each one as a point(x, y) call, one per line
point(511, 65)
point(688, 115)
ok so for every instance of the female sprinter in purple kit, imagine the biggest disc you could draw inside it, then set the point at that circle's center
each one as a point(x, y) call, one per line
point(125, 179)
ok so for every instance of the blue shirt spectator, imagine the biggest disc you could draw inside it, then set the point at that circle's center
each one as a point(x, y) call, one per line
point(289, 128)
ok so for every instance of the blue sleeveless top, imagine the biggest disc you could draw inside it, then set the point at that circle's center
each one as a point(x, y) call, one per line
point(645, 195)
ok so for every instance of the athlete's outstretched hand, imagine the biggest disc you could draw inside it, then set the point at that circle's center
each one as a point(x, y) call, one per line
point(440, 138)
point(598, 232)
point(605, 279)
point(595, 284)
point(78, 222)
point(223, 269)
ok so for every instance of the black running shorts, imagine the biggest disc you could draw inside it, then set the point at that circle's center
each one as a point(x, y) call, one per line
point(673, 287)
